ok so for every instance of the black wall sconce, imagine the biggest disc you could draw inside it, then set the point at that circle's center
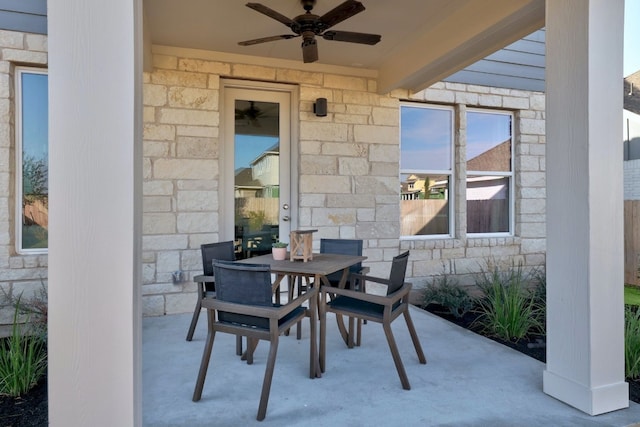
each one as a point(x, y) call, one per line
point(320, 107)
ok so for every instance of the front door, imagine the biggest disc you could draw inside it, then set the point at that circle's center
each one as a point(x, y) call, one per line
point(257, 206)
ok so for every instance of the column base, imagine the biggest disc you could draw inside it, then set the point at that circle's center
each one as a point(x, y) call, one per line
point(592, 400)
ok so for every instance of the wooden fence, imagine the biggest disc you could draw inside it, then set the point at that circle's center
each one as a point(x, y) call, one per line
point(632, 242)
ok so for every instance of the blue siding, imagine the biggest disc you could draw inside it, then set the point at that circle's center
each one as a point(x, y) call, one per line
point(29, 16)
point(521, 65)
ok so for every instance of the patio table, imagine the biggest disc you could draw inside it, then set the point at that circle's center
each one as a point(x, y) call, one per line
point(319, 268)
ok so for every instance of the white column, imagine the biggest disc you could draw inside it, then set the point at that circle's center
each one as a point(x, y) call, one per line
point(585, 296)
point(95, 212)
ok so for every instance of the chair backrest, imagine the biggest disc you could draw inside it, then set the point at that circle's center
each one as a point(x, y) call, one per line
point(398, 272)
point(241, 283)
point(343, 247)
point(211, 251)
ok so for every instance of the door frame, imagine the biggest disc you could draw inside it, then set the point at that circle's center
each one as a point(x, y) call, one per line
point(225, 188)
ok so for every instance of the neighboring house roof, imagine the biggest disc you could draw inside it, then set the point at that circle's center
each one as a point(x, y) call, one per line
point(244, 179)
point(497, 158)
point(632, 92)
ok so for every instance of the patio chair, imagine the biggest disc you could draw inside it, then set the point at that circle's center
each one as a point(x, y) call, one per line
point(376, 308)
point(244, 307)
point(206, 284)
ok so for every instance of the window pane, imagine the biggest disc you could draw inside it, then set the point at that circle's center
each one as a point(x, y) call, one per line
point(488, 141)
point(424, 207)
point(487, 204)
point(426, 138)
point(35, 160)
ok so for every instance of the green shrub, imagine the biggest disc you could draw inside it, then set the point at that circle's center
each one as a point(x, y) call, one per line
point(23, 359)
point(632, 342)
point(449, 294)
point(508, 310)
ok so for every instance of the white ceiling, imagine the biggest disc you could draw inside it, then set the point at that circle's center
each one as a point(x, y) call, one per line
point(421, 39)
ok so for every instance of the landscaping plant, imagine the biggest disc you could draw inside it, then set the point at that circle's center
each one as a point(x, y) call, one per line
point(23, 358)
point(632, 342)
point(448, 293)
point(508, 310)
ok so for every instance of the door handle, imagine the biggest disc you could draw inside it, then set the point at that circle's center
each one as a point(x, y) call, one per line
point(286, 218)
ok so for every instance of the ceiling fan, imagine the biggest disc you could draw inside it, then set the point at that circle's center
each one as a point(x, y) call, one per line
point(308, 26)
point(251, 114)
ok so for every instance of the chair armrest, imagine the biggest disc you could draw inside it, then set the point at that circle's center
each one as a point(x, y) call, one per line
point(376, 299)
point(259, 311)
point(201, 278)
point(357, 276)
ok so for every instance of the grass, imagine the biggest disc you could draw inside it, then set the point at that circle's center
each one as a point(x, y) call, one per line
point(631, 295)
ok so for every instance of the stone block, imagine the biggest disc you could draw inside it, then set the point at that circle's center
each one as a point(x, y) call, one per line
point(5, 91)
point(537, 101)
point(384, 153)
point(157, 188)
point(179, 78)
point(466, 98)
point(11, 39)
point(350, 119)
point(323, 131)
point(334, 81)
point(159, 132)
point(325, 184)
point(197, 185)
point(164, 242)
point(532, 179)
point(532, 126)
point(376, 134)
point(388, 213)
point(199, 99)
point(312, 93)
point(185, 169)
point(384, 169)
point(195, 240)
point(188, 117)
point(153, 305)
point(516, 103)
point(154, 95)
point(158, 223)
point(148, 273)
point(180, 303)
point(332, 217)
point(344, 149)
point(439, 95)
point(386, 116)
point(377, 185)
point(167, 62)
point(430, 267)
point(156, 204)
point(532, 206)
point(318, 165)
point(378, 230)
point(353, 166)
point(197, 201)
point(528, 163)
point(533, 229)
point(530, 246)
point(25, 56)
point(197, 222)
point(299, 77)
point(366, 215)
point(168, 261)
point(156, 148)
point(202, 66)
point(490, 101)
point(313, 200)
point(197, 131)
point(148, 114)
point(349, 201)
point(360, 98)
point(253, 72)
point(196, 147)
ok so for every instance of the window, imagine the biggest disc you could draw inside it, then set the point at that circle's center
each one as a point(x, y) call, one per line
point(426, 170)
point(32, 155)
point(489, 172)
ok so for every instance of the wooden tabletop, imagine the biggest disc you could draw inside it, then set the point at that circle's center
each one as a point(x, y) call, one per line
point(321, 264)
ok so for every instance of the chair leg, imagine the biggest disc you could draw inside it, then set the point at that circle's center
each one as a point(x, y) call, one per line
point(323, 330)
point(268, 376)
point(359, 333)
point(414, 337)
point(238, 345)
point(396, 356)
point(314, 364)
point(206, 356)
point(194, 319)
point(351, 332)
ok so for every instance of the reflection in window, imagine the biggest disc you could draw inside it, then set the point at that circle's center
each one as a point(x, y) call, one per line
point(426, 169)
point(489, 172)
point(32, 150)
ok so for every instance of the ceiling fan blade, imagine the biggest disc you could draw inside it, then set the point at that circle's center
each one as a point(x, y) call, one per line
point(340, 13)
point(348, 36)
point(309, 51)
point(267, 39)
point(272, 14)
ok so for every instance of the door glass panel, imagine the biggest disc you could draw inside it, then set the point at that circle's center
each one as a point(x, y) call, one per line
point(256, 176)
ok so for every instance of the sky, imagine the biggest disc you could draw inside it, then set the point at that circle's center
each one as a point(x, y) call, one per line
point(631, 37)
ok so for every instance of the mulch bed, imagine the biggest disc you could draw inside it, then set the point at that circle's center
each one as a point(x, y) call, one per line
point(29, 410)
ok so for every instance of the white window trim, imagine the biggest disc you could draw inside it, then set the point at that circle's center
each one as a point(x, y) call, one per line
point(510, 175)
point(19, 166)
point(450, 173)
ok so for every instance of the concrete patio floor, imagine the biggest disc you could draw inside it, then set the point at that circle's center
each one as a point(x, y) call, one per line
point(468, 381)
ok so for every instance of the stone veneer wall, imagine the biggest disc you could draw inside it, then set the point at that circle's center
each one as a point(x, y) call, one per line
point(18, 273)
point(348, 180)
